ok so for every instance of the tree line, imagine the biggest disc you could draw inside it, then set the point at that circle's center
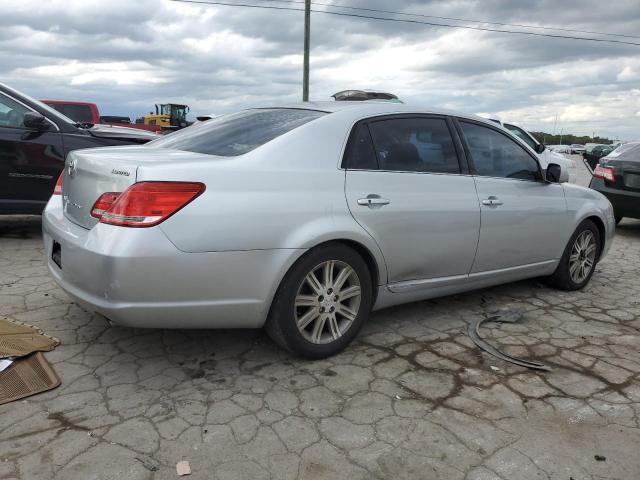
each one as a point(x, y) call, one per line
point(568, 139)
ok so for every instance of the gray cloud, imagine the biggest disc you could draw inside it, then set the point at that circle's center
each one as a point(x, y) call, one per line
point(128, 55)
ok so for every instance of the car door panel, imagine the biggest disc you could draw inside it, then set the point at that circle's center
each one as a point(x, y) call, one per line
point(30, 160)
point(430, 226)
point(526, 228)
point(523, 218)
point(406, 193)
point(30, 164)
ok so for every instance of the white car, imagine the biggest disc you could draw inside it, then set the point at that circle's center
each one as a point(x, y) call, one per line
point(546, 155)
point(559, 148)
point(576, 148)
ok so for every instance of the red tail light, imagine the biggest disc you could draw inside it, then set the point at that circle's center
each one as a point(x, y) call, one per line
point(605, 173)
point(146, 204)
point(104, 203)
point(57, 190)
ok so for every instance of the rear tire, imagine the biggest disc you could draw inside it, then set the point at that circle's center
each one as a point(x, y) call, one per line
point(579, 259)
point(322, 302)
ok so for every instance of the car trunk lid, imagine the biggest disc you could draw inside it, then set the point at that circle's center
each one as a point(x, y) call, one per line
point(90, 173)
point(87, 175)
point(627, 174)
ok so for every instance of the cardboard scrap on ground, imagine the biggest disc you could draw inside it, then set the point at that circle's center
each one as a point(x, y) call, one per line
point(27, 376)
point(18, 339)
point(23, 369)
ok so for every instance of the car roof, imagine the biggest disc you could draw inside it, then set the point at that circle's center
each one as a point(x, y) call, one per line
point(376, 108)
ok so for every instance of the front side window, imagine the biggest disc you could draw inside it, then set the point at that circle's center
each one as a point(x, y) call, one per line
point(415, 145)
point(496, 155)
point(11, 113)
point(521, 134)
point(237, 133)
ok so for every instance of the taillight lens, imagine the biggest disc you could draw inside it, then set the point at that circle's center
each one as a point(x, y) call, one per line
point(605, 173)
point(146, 204)
point(104, 203)
point(57, 190)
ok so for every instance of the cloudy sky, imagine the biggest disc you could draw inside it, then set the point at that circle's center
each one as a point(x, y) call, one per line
point(126, 55)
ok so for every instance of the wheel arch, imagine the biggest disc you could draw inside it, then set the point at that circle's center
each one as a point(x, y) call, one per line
point(599, 223)
point(374, 261)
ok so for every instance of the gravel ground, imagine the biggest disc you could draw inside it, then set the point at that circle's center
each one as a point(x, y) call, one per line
point(411, 398)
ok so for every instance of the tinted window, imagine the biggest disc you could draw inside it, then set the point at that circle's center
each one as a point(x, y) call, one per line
point(237, 133)
point(495, 155)
point(11, 113)
point(77, 113)
point(415, 145)
point(518, 132)
point(360, 153)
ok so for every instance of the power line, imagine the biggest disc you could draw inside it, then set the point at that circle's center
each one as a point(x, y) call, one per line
point(375, 10)
point(418, 22)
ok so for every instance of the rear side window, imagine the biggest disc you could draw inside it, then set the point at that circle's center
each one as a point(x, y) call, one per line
point(237, 133)
point(496, 155)
point(360, 154)
point(415, 145)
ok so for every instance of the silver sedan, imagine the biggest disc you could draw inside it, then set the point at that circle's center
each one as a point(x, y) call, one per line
point(305, 218)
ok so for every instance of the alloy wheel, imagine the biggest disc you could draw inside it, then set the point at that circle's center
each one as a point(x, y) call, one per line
point(583, 256)
point(327, 302)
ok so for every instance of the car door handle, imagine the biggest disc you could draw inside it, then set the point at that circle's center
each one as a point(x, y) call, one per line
point(492, 201)
point(373, 201)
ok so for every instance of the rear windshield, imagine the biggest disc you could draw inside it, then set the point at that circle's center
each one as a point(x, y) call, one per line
point(77, 113)
point(237, 133)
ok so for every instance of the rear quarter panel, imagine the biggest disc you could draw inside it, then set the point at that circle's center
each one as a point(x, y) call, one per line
point(583, 203)
point(287, 194)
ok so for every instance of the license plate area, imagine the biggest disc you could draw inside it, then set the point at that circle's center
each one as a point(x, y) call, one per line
point(632, 180)
point(56, 254)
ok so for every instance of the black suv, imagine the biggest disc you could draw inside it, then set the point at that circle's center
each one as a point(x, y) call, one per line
point(34, 141)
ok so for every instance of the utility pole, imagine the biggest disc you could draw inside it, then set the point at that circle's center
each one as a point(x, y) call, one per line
point(305, 67)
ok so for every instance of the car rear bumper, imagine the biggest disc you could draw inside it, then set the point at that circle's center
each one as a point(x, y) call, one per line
point(625, 203)
point(137, 277)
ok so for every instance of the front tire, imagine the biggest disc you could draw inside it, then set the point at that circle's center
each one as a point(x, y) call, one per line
point(322, 302)
point(579, 259)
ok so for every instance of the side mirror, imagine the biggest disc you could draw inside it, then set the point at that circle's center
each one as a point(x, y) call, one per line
point(540, 147)
point(556, 173)
point(35, 120)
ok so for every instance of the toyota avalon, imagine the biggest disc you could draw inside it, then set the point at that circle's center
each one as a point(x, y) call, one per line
point(303, 219)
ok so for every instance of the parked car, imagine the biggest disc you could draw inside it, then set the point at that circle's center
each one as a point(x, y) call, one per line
point(617, 177)
point(34, 141)
point(559, 148)
point(302, 219)
point(592, 156)
point(87, 112)
point(576, 148)
point(545, 155)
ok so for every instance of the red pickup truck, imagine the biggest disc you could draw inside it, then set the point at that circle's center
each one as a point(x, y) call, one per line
point(85, 112)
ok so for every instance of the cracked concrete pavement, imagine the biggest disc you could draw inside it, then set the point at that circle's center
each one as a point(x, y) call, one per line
point(412, 398)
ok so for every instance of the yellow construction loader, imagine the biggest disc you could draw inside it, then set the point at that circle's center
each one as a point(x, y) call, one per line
point(168, 117)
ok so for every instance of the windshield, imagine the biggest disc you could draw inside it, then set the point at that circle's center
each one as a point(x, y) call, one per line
point(521, 134)
point(237, 133)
